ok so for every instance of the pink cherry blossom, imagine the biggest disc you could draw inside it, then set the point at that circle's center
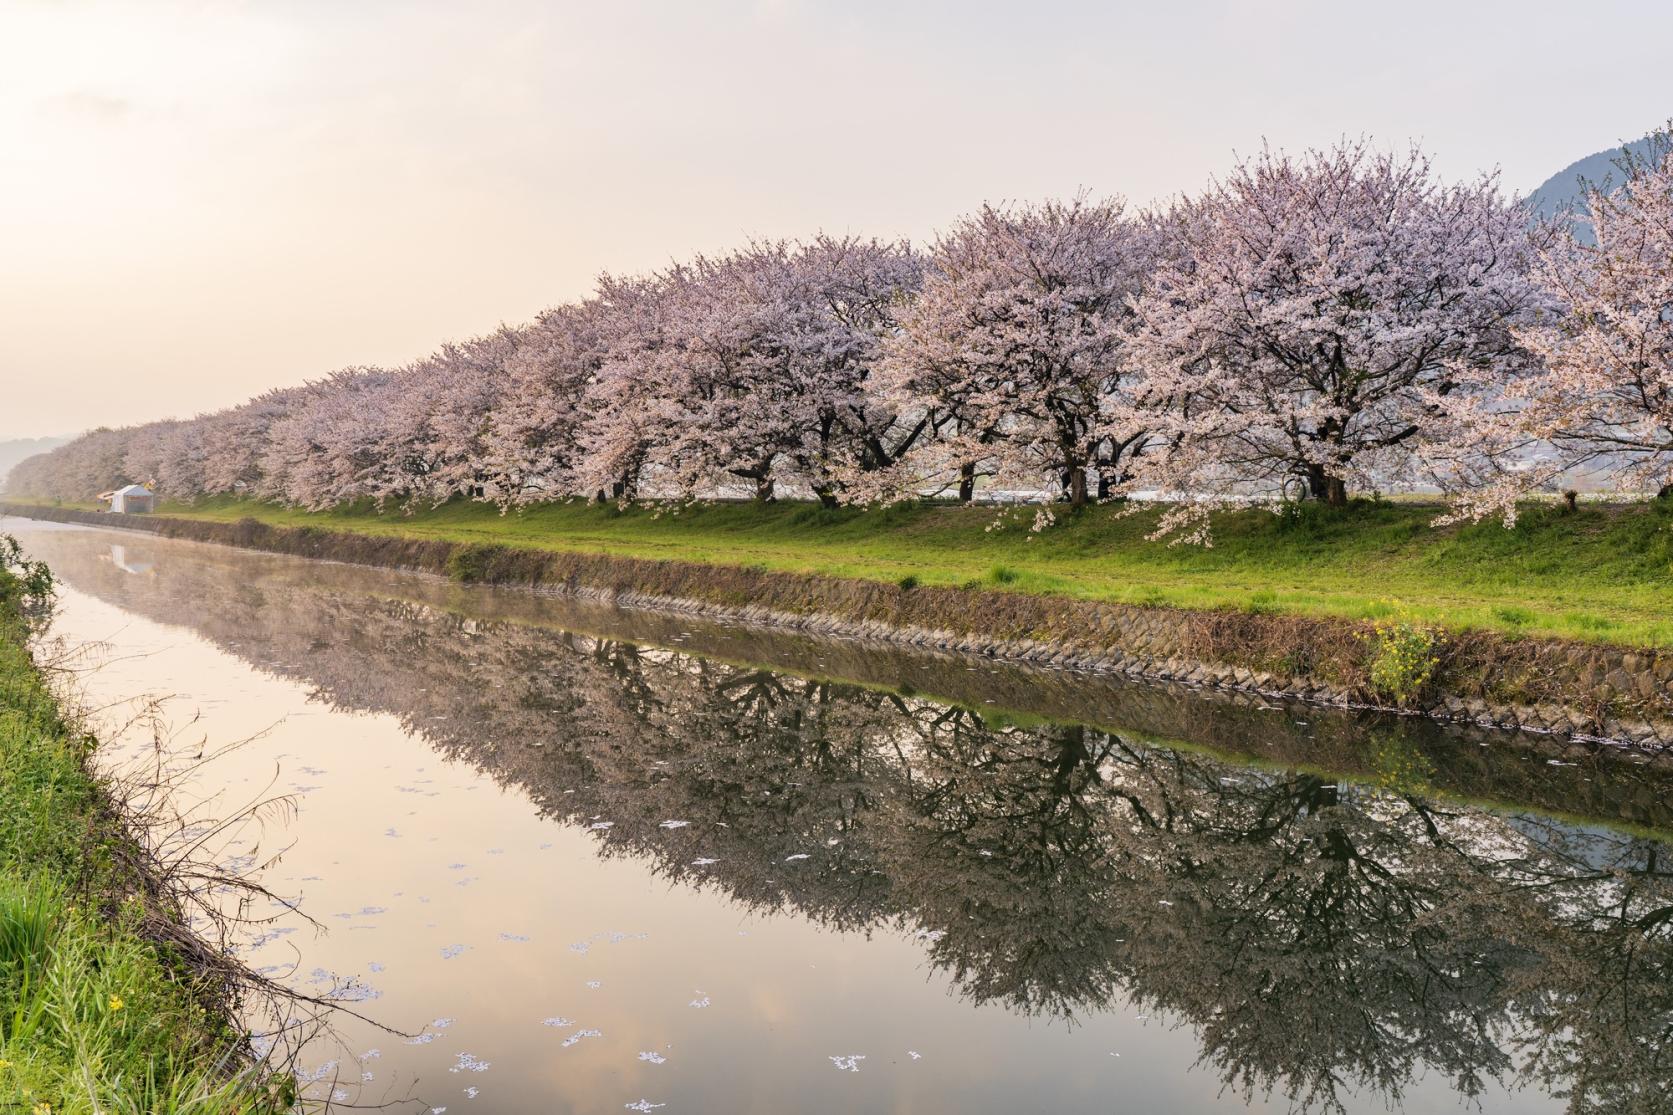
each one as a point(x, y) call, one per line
point(1015, 350)
point(1325, 323)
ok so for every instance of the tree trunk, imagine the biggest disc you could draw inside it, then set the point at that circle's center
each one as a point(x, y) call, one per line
point(827, 497)
point(1333, 490)
point(967, 482)
point(1666, 492)
point(1077, 486)
point(764, 489)
point(1315, 481)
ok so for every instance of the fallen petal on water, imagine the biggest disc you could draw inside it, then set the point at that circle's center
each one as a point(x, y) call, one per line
point(581, 1034)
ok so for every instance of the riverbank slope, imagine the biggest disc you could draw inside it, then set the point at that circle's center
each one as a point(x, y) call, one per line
point(97, 1014)
point(1601, 572)
point(807, 569)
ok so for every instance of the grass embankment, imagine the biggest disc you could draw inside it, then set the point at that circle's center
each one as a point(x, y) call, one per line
point(95, 1016)
point(1600, 573)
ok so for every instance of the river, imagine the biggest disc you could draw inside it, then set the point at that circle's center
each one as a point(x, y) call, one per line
point(579, 859)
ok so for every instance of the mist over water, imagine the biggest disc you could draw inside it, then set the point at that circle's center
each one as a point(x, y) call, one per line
point(591, 860)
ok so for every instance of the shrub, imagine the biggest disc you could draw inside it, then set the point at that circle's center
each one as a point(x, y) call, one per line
point(1002, 575)
point(472, 564)
point(1404, 659)
point(908, 582)
point(24, 584)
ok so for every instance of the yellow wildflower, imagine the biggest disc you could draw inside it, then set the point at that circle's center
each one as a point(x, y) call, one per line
point(43, 1108)
point(116, 1002)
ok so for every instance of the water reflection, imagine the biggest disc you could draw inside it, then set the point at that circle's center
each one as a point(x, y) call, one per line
point(1319, 935)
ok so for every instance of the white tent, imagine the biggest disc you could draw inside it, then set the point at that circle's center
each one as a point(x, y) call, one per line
point(135, 499)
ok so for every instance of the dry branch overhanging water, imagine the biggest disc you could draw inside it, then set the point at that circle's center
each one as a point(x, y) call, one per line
point(607, 859)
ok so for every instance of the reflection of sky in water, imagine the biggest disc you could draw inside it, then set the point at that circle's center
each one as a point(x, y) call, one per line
point(528, 971)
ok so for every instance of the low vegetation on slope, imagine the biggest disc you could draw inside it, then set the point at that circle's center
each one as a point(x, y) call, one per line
point(1601, 572)
point(95, 1015)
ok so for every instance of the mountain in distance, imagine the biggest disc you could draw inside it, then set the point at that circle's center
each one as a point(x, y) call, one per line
point(1565, 190)
point(18, 449)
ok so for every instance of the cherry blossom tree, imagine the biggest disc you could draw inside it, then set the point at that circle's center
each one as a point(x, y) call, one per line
point(433, 422)
point(143, 449)
point(170, 456)
point(1329, 322)
point(1016, 346)
point(754, 366)
point(845, 302)
point(1606, 386)
point(532, 448)
point(86, 466)
point(317, 453)
point(724, 398)
point(178, 459)
point(1309, 326)
point(234, 441)
point(622, 425)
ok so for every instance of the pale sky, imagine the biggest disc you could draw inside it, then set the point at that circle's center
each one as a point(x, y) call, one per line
point(200, 200)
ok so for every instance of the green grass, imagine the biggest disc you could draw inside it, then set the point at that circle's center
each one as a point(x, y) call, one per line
point(1602, 573)
point(94, 1016)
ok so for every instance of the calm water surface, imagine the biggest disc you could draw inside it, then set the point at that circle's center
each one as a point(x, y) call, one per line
point(586, 860)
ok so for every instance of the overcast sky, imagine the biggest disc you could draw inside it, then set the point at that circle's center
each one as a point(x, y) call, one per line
point(200, 200)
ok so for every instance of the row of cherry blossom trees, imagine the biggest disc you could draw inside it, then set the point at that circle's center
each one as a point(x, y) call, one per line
point(1309, 326)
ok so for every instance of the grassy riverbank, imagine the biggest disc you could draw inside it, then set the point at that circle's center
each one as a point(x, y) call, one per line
point(1603, 572)
point(95, 1015)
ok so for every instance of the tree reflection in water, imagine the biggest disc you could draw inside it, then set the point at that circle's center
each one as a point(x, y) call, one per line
point(1320, 936)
